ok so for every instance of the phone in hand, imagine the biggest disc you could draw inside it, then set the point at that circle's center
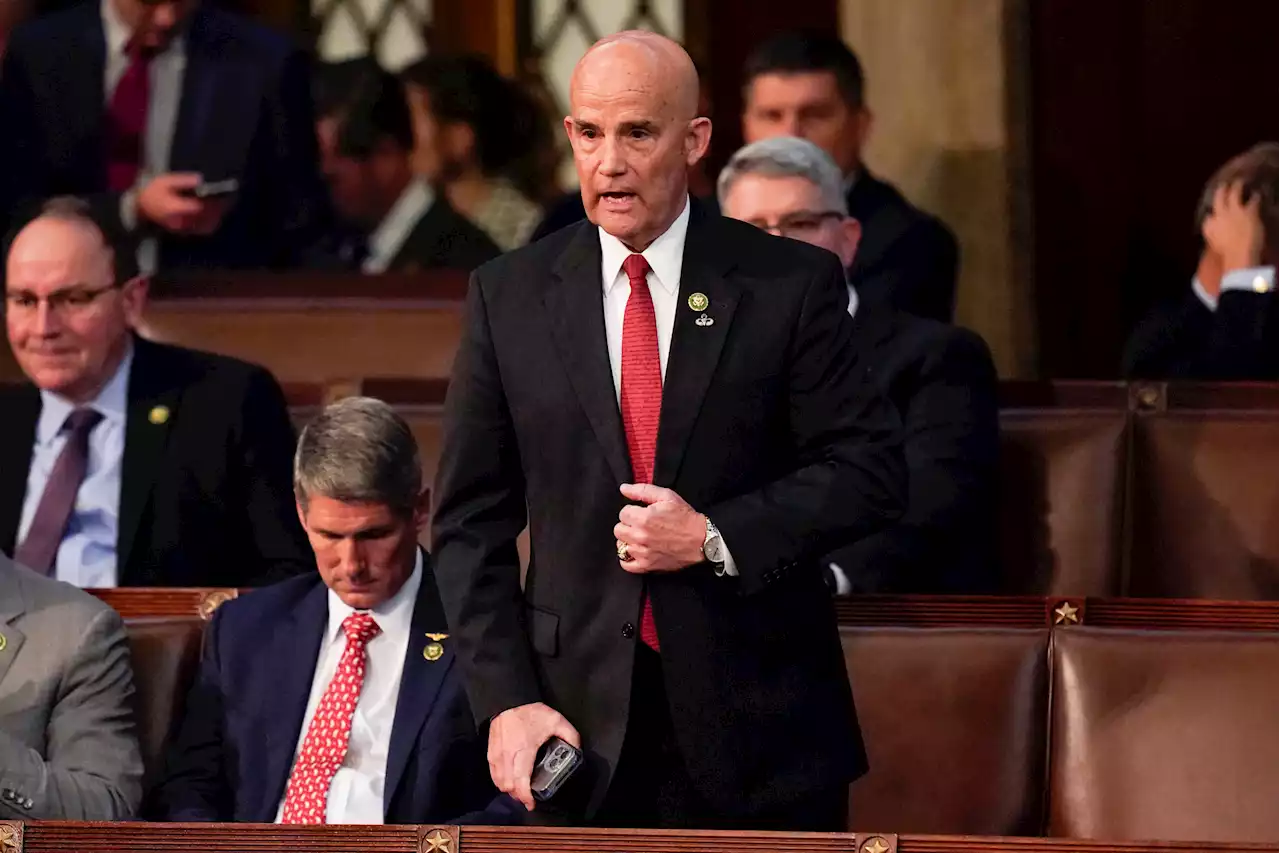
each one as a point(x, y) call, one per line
point(216, 189)
point(556, 762)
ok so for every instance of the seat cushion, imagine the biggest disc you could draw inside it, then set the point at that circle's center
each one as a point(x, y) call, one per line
point(166, 656)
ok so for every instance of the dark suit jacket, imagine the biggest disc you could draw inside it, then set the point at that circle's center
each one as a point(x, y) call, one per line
point(766, 425)
point(1185, 340)
point(943, 383)
point(232, 754)
point(444, 239)
point(206, 497)
point(906, 259)
point(245, 113)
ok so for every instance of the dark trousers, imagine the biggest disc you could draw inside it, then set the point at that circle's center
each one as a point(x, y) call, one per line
point(652, 789)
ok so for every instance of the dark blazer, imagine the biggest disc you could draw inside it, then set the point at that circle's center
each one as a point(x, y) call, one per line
point(245, 113)
point(206, 497)
point(943, 383)
point(906, 259)
point(1183, 339)
point(231, 756)
point(766, 425)
point(444, 239)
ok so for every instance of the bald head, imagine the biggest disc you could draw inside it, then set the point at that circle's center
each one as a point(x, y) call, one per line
point(635, 131)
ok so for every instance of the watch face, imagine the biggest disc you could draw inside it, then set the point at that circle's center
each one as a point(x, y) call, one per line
point(713, 550)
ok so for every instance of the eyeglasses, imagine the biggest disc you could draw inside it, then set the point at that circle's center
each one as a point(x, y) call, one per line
point(76, 300)
point(798, 225)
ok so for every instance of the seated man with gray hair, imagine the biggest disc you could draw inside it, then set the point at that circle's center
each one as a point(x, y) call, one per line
point(335, 697)
point(940, 377)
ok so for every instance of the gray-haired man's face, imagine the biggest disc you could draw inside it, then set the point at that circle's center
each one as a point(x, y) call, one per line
point(792, 207)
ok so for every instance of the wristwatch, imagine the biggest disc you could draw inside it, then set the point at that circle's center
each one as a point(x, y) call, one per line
point(713, 547)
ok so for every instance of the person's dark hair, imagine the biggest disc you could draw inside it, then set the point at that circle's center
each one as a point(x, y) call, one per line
point(805, 52)
point(1258, 169)
point(368, 103)
point(123, 247)
point(467, 89)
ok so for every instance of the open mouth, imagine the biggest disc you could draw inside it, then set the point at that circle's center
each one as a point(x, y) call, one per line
point(617, 198)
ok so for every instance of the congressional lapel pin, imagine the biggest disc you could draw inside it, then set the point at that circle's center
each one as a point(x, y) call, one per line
point(3, 642)
point(704, 321)
point(158, 415)
point(698, 301)
point(434, 650)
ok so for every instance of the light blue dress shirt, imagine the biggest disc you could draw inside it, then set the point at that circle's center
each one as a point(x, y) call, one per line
point(87, 555)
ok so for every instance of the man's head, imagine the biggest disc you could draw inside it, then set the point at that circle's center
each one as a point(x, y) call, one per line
point(357, 480)
point(154, 23)
point(72, 298)
point(635, 132)
point(1257, 171)
point(366, 138)
point(791, 187)
point(809, 86)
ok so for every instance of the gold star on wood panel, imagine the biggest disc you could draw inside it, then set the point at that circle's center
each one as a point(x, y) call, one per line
point(1066, 614)
point(875, 845)
point(439, 840)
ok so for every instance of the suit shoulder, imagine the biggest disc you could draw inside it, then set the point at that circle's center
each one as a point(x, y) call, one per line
point(53, 28)
point(529, 260)
point(194, 365)
point(954, 349)
point(42, 592)
point(268, 603)
point(759, 254)
point(230, 31)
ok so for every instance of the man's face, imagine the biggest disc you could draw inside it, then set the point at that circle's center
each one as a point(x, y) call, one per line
point(68, 322)
point(365, 551)
point(353, 184)
point(632, 151)
point(154, 23)
point(792, 207)
point(808, 105)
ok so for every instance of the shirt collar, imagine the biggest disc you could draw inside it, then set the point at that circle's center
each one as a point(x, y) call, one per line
point(1207, 298)
point(118, 32)
point(414, 201)
point(665, 254)
point(112, 402)
point(394, 616)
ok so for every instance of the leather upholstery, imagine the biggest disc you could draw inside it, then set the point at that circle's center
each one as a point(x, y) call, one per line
point(166, 655)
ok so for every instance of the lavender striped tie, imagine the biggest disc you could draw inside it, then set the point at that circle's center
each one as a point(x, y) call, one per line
point(40, 549)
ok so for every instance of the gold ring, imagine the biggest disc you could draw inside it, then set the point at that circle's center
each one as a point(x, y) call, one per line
point(623, 553)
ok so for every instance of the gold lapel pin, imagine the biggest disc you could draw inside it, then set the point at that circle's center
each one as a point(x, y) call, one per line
point(698, 301)
point(158, 415)
point(434, 650)
point(3, 642)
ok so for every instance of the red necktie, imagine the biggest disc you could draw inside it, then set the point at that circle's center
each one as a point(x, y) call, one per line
point(641, 399)
point(127, 122)
point(325, 745)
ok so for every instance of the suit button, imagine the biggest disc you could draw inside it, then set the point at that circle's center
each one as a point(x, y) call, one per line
point(628, 630)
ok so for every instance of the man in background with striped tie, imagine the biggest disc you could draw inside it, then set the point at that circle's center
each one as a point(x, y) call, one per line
point(670, 401)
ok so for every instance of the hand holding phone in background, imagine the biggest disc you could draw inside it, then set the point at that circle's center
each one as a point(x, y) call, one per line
point(182, 203)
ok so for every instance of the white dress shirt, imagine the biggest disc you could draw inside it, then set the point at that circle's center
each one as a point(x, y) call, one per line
point(87, 555)
point(397, 225)
point(666, 259)
point(355, 795)
point(1252, 279)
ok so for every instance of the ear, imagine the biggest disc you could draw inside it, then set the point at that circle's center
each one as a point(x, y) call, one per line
point(302, 513)
point(863, 122)
point(133, 295)
point(850, 236)
point(568, 128)
point(460, 141)
point(697, 140)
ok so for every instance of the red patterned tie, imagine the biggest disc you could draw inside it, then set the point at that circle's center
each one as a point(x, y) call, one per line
point(325, 745)
point(641, 401)
point(127, 122)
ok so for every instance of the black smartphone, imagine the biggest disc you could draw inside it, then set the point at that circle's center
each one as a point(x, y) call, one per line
point(557, 761)
point(217, 189)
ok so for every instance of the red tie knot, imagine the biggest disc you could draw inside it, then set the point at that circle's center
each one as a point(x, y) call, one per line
point(636, 267)
point(360, 628)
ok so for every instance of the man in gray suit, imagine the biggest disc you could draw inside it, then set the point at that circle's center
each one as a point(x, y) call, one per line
point(68, 740)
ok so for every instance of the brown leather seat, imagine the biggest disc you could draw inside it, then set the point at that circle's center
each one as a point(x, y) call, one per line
point(954, 722)
point(1062, 487)
point(1164, 735)
point(1205, 502)
point(166, 655)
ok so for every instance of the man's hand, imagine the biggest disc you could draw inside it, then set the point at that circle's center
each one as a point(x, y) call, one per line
point(665, 535)
point(1233, 229)
point(167, 202)
point(515, 736)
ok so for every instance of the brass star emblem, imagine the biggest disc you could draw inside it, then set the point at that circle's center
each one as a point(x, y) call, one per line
point(1066, 614)
point(439, 840)
point(10, 838)
point(875, 845)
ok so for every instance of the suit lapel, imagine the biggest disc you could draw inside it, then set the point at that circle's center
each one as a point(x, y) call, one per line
point(420, 680)
point(575, 309)
point(17, 440)
point(12, 605)
point(696, 342)
point(295, 649)
point(153, 406)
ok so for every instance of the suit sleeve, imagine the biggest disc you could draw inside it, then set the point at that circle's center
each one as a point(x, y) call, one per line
point(22, 175)
point(263, 460)
point(480, 510)
point(951, 446)
point(849, 481)
point(1243, 339)
point(91, 767)
point(195, 788)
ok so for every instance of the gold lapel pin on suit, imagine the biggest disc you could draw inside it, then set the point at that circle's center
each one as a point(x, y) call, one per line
point(158, 415)
point(3, 642)
point(698, 301)
point(434, 650)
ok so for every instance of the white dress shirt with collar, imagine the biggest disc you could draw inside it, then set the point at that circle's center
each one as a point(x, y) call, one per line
point(1252, 279)
point(164, 79)
point(397, 225)
point(356, 793)
point(666, 259)
point(87, 555)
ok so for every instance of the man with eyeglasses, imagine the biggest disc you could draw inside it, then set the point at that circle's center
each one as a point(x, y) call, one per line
point(124, 462)
point(940, 377)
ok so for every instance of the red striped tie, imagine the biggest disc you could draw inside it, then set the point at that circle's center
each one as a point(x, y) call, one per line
point(641, 401)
